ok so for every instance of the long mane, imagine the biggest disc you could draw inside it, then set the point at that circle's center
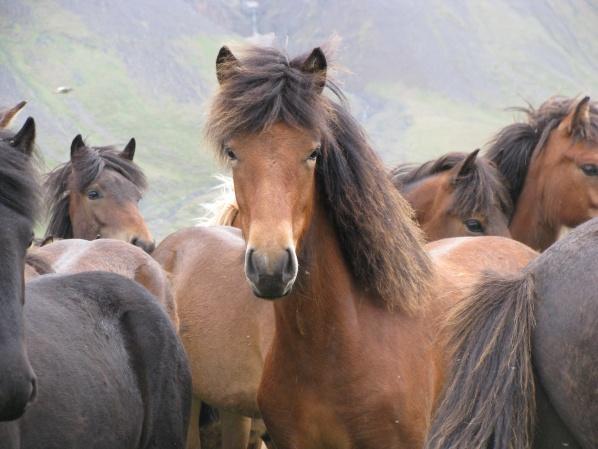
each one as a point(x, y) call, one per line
point(19, 188)
point(381, 243)
point(513, 147)
point(89, 166)
point(483, 189)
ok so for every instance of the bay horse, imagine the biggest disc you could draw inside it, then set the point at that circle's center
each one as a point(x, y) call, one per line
point(551, 163)
point(352, 356)
point(111, 372)
point(526, 356)
point(18, 207)
point(96, 194)
point(456, 195)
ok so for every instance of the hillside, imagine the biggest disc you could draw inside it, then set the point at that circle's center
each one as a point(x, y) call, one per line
point(423, 77)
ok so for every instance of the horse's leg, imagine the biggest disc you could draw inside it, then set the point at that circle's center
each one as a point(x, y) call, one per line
point(193, 441)
point(235, 430)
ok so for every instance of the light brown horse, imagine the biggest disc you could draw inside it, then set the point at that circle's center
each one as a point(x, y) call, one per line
point(96, 195)
point(354, 358)
point(77, 256)
point(551, 163)
point(456, 195)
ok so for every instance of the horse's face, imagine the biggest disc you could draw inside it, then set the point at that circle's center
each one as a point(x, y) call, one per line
point(568, 167)
point(108, 207)
point(17, 380)
point(274, 178)
point(443, 213)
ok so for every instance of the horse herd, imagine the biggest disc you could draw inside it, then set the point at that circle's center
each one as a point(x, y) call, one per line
point(312, 313)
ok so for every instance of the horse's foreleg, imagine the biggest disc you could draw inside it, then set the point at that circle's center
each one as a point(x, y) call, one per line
point(235, 430)
point(193, 441)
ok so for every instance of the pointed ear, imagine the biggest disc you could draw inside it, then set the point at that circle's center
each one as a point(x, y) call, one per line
point(25, 138)
point(77, 146)
point(463, 169)
point(578, 117)
point(316, 64)
point(129, 151)
point(226, 63)
point(9, 114)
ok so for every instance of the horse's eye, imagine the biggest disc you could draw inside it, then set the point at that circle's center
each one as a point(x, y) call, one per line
point(474, 226)
point(230, 154)
point(93, 195)
point(590, 169)
point(315, 154)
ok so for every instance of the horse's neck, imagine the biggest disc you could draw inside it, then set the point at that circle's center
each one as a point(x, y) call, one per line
point(531, 223)
point(326, 302)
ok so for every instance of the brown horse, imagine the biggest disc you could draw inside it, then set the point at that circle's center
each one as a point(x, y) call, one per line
point(355, 359)
point(526, 356)
point(551, 163)
point(456, 195)
point(77, 256)
point(96, 195)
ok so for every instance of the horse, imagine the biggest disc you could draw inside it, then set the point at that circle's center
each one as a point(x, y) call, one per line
point(456, 195)
point(96, 195)
point(551, 163)
point(111, 370)
point(18, 206)
point(115, 256)
point(352, 356)
point(526, 353)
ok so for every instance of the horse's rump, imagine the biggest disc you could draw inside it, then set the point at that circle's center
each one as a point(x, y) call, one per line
point(112, 372)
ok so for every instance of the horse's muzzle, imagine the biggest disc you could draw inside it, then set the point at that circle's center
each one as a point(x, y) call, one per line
point(271, 276)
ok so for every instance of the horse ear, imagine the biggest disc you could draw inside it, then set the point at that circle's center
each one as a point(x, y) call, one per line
point(77, 145)
point(226, 63)
point(25, 137)
point(466, 166)
point(578, 117)
point(9, 114)
point(316, 64)
point(129, 151)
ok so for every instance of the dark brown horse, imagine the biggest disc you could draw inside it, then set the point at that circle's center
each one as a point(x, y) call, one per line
point(551, 164)
point(18, 206)
point(526, 356)
point(110, 368)
point(355, 359)
point(456, 195)
point(96, 195)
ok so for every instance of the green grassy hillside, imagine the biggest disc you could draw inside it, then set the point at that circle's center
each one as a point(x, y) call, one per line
point(424, 77)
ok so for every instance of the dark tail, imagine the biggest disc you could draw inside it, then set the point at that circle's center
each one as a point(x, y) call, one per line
point(489, 399)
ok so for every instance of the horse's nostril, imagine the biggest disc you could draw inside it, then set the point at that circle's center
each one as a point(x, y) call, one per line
point(33, 394)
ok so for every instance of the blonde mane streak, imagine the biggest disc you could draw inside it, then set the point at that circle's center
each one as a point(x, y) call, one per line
point(223, 210)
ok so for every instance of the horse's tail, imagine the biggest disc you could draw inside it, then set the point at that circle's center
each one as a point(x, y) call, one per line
point(489, 396)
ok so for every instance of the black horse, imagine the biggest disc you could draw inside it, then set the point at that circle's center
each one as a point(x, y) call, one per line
point(111, 370)
point(18, 203)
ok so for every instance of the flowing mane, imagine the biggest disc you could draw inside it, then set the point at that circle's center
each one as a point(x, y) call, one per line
point(381, 243)
point(88, 167)
point(513, 147)
point(483, 188)
point(19, 188)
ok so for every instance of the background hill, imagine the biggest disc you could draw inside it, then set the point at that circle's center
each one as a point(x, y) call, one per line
point(424, 77)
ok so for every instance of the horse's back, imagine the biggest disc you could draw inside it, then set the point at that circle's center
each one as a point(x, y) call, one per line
point(71, 256)
point(565, 339)
point(111, 372)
